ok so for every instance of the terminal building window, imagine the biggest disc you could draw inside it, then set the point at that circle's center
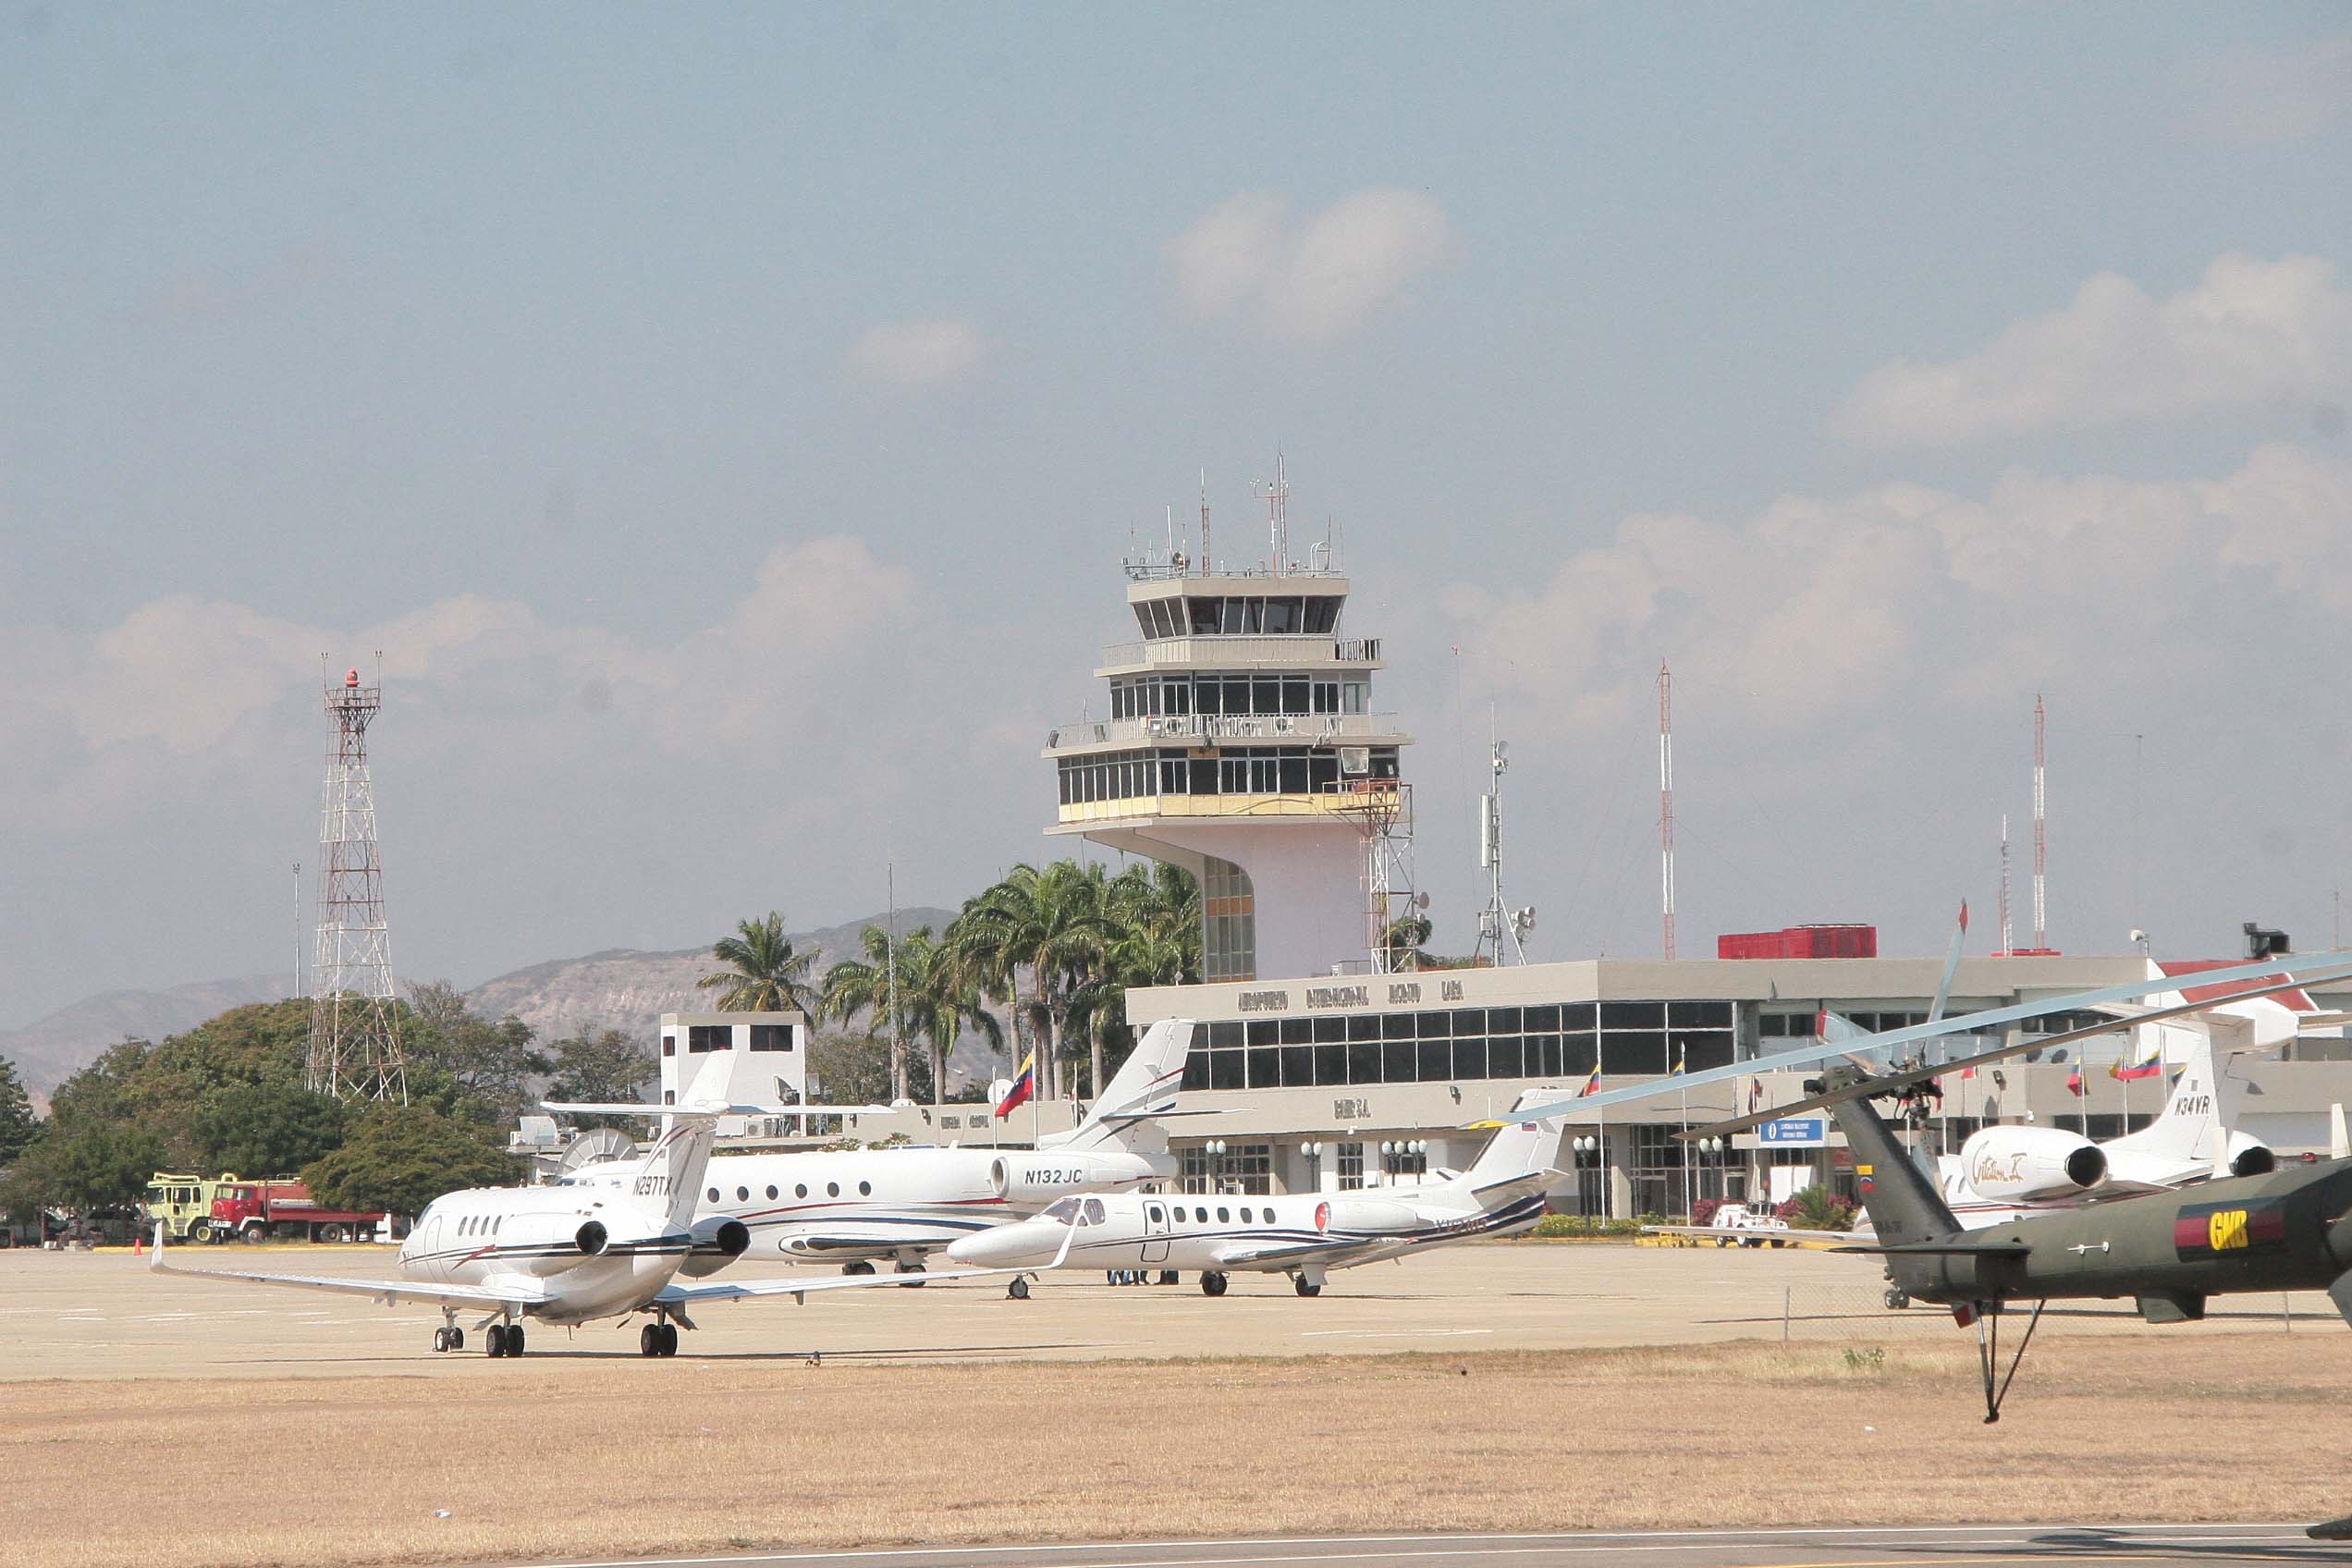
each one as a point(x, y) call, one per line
point(1228, 923)
point(710, 1037)
point(771, 1036)
point(1556, 1041)
point(1351, 1166)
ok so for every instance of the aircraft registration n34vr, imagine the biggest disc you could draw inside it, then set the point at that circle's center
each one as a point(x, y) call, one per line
point(1306, 1237)
point(569, 1254)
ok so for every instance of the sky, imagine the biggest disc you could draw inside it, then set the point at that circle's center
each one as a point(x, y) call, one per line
point(726, 423)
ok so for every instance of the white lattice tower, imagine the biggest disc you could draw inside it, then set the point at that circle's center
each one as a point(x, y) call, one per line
point(355, 1044)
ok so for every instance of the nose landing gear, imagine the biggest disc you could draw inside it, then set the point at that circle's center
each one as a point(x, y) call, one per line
point(449, 1337)
point(1212, 1282)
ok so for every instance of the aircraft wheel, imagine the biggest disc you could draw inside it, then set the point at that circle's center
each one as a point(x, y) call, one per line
point(440, 1341)
point(457, 1339)
point(1777, 1245)
point(1017, 1290)
point(649, 1339)
point(514, 1338)
point(670, 1338)
point(914, 1267)
point(1212, 1282)
point(495, 1345)
point(1306, 1286)
point(861, 1266)
point(1897, 1298)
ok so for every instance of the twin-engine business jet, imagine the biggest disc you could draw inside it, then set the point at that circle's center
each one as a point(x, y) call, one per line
point(568, 1252)
point(856, 1206)
point(1306, 1237)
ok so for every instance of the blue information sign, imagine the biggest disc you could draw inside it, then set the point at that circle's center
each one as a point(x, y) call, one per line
point(1811, 1129)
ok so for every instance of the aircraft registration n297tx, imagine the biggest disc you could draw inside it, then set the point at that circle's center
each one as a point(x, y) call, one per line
point(1306, 1237)
point(570, 1254)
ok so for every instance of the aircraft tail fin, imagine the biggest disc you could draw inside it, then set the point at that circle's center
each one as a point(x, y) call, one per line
point(1519, 1150)
point(1143, 1087)
point(2339, 1141)
point(2201, 1107)
point(1903, 1203)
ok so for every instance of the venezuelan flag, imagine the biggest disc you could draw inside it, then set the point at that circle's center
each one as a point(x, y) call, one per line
point(2148, 1066)
point(1592, 1084)
point(1023, 1085)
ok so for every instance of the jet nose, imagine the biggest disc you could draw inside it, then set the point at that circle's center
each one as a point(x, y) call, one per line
point(1001, 1247)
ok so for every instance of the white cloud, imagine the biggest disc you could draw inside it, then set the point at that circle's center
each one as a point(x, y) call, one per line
point(2258, 97)
point(1893, 599)
point(1314, 281)
point(2251, 333)
point(915, 355)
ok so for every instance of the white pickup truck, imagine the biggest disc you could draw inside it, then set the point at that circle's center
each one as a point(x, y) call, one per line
point(1763, 1222)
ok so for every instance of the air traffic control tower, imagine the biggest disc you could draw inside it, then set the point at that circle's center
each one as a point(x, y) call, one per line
point(1242, 744)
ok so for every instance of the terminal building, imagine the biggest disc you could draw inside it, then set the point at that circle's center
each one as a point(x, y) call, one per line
point(1244, 744)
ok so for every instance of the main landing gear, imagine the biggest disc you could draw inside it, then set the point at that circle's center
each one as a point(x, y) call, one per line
point(1212, 1282)
point(448, 1336)
point(1019, 1288)
point(1306, 1286)
point(905, 1266)
point(657, 1338)
point(504, 1339)
point(1986, 1315)
point(858, 1266)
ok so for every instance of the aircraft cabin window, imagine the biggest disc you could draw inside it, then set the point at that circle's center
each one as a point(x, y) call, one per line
point(1224, 1216)
point(832, 1189)
point(1094, 1214)
point(1201, 1215)
point(714, 1194)
point(742, 1194)
point(1245, 1216)
point(800, 1191)
point(1152, 1210)
point(866, 1189)
point(771, 1189)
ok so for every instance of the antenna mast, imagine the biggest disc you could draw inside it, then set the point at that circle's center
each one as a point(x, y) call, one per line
point(2004, 885)
point(1277, 519)
point(2041, 832)
point(1207, 561)
point(1499, 921)
point(1666, 800)
point(355, 1047)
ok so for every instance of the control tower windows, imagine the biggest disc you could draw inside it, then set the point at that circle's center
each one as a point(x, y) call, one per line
point(1248, 616)
point(1229, 921)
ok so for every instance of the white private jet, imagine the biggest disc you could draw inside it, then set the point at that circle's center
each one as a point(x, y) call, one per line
point(859, 1205)
point(1305, 1237)
point(568, 1252)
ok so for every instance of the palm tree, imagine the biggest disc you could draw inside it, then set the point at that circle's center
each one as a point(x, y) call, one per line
point(940, 1001)
point(767, 977)
point(863, 984)
point(1156, 941)
point(1408, 936)
point(1048, 922)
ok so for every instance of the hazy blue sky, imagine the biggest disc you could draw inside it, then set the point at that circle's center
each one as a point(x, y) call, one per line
point(728, 423)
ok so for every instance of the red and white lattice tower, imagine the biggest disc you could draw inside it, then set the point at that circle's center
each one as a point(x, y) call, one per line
point(355, 1042)
point(2004, 884)
point(2041, 832)
point(1666, 802)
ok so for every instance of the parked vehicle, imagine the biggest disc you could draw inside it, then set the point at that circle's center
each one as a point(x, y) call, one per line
point(220, 1208)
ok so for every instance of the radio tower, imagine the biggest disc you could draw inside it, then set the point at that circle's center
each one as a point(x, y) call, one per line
point(2004, 885)
point(2041, 834)
point(1666, 798)
point(355, 1048)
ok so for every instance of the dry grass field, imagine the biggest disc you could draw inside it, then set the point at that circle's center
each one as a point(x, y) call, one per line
point(617, 1456)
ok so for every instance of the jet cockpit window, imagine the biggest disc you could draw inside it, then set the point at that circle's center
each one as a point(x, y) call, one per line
point(1093, 1215)
point(1063, 1210)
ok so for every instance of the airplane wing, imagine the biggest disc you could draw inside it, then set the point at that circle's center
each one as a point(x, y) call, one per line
point(391, 1293)
point(695, 1292)
point(1284, 1254)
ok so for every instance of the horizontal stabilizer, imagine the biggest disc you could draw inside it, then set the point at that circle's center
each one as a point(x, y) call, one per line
point(1945, 1249)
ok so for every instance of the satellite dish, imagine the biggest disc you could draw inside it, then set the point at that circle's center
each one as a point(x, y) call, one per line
point(1420, 901)
point(596, 1147)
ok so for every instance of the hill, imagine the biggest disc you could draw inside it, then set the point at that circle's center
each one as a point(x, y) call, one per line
point(619, 989)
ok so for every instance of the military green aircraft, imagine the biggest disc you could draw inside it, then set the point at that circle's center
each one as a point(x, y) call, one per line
point(2284, 1231)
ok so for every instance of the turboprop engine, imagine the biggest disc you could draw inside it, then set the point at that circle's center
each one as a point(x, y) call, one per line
point(549, 1244)
point(1047, 1174)
point(2024, 1163)
point(718, 1242)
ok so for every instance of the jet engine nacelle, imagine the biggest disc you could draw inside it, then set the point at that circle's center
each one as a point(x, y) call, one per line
point(2249, 1155)
point(1044, 1176)
point(2024, 1163)
point(718, 1242)
point(548, 1244)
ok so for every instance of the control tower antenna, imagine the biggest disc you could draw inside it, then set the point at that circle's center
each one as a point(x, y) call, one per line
point(2041, 829)
point(1207, 561)
point(355, 1042)
point(1666, 800)
point(1278, 518)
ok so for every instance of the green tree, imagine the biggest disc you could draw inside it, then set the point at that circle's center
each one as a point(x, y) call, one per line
point(766, 974)
point(1047, 923)
point(489, 1064)
point(267, 1129)
point(86, 1165)
point(941, 1000)
point(608, 1068)
point(400, 1158)
point(852, 1066)
point(18, 1126)
point(865, 984)
point(1153, 914)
